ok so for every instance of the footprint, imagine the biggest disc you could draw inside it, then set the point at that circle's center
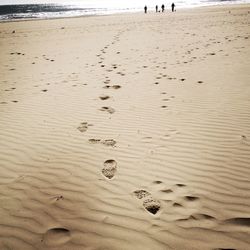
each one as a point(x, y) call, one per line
point(109, 142)
point(94, 141)
point(167, 191)
point(104, 97)
point(141, 194)
point(149, 203)
point(57, 236)
point(83, 127)
point(108, 109)
point(191, 198)
point(106, 86)
point(177, 205)
point(180, 185)
point(152, 205)
point(157, 182)
point(109, 169)
point(116, 86)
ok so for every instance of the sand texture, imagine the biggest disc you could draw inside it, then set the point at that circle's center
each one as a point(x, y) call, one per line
point(126, 132)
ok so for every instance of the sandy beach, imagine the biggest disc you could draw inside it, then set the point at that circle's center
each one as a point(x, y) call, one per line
point(126, 132)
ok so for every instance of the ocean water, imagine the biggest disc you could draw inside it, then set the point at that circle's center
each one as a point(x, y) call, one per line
point(27, 9)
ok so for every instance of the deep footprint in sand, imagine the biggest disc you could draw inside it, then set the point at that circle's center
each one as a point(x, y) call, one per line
point(108, 109)
point(110, 168)
point(57, 236)
point(149, 203)
point(83, 127)
point(152, 205)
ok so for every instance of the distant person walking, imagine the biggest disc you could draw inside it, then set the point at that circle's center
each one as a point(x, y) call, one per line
point(156, 8)
point(162, 8)
point(145, 9)
point(173, 6)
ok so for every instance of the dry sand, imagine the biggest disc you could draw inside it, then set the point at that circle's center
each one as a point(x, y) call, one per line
point(126, 132)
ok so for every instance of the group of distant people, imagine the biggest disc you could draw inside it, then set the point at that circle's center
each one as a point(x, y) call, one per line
point(162, 8)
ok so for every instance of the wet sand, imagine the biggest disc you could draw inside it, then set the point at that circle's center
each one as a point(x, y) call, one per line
point(126, 132)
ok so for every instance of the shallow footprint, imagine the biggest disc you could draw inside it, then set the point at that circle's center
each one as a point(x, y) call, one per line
point(109, 169)
point(83, 127)
point(141, 194)
point(57, 236)
point(108, 109)
point(94, 141)
point(116, 86)
point(104, 97)
point(109, 142)
point(191, 198)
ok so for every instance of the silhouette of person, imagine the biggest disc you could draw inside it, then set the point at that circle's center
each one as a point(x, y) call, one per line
point(162, 8)
point(156, 8)
point(145, 9)
point(173, 5)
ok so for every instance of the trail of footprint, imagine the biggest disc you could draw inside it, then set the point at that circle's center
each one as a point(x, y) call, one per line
point(57, 236)
point(110, 168)
point(149, 203)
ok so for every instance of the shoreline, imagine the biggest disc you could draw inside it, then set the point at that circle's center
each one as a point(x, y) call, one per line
point(189, 9)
